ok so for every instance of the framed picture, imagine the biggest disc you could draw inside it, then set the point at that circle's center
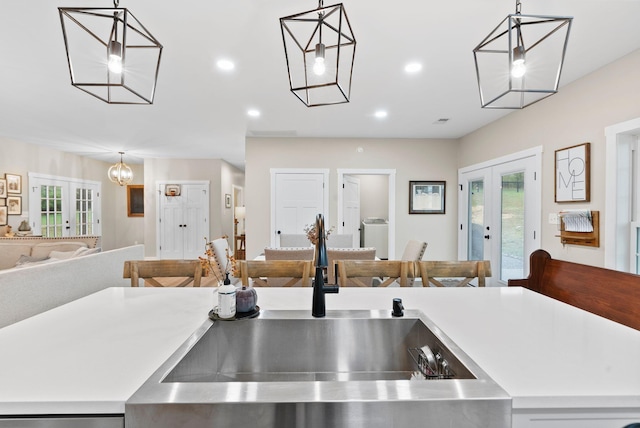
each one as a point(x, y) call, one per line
point(135, 200)
point(3, 216)
point(172, 190)
point(14, 205)
point(14, 183)
point(427, 197)
point(3, 188)
point(573, 174)
point(227, 200)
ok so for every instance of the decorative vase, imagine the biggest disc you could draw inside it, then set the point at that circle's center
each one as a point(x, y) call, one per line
point(246, 299)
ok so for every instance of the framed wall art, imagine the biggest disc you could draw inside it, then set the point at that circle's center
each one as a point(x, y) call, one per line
point(14, 205)
point(573, 174)
point(3, 216)
point(3, 188)
point(14, 183)
point(227, 200)
point(427, 197)
point(135, 200)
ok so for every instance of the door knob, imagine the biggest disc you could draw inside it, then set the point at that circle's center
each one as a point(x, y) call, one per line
point(486, 236)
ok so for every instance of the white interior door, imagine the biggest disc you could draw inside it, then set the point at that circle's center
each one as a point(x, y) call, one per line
point(500, 216)
point(171, 232)
point(351, 206)
point(297, 198)
point(195, 219)
point(183, 221)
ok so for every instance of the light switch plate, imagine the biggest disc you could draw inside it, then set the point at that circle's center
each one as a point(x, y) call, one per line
point(553, 218)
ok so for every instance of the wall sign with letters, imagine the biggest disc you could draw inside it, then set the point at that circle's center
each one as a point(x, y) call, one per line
point(573, 174)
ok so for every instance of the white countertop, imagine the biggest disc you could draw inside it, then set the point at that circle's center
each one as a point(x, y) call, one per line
point(91, 355)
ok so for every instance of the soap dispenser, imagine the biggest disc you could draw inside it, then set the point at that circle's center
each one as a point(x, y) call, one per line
point(226, 300)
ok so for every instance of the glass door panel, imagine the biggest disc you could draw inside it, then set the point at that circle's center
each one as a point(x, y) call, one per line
point(512, 228)
point(476, 220)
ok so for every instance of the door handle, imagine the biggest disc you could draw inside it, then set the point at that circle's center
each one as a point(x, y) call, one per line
point(486, 237)
point(279, 232)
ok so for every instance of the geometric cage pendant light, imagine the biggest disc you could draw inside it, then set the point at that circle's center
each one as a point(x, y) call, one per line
point(319, 48)
point(120, 173)
point(519, 63)
point(111, 55)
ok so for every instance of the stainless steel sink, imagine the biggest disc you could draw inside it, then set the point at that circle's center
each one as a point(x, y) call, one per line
point(349, 369)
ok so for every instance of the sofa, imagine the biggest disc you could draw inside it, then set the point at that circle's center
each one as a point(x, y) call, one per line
point(18, 251)
point(29, 290)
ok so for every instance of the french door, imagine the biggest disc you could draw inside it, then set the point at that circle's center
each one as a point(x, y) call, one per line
point(61, 206)
point(499, 214)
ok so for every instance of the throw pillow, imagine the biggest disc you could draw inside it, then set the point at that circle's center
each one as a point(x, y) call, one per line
point(61, 255)
point(29, 259)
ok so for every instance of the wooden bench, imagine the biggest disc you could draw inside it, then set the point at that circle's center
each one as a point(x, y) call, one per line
point(609, 293)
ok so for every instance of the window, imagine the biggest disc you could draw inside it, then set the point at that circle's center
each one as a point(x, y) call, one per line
point(67, 206)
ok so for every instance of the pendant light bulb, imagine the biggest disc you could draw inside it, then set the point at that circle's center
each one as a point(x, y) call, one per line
point(319, 67)
point(518, 67)
point(115, 57)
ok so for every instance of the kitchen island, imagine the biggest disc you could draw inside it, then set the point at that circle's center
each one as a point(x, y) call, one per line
point(563, 367)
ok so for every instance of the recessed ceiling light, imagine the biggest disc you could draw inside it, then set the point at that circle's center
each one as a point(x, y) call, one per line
point(225, 65)
point(381, 114)
point(413, 67)
point(253, 112)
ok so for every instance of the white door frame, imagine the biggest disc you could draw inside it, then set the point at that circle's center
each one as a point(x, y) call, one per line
point(325, 191)
point(617, 183)
point(391, 173)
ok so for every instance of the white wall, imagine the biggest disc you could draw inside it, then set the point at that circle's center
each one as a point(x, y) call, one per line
point(413, 159)
point(578, 113)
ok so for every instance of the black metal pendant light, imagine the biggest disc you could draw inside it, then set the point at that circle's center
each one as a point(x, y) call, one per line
point(319, 48)
point(111, 55)
point(520, 61)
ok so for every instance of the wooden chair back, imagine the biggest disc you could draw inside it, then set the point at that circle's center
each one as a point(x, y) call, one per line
point(263, 271)
point(288, 253)
point(390, 271)
point(151, 270)
point(460, 272)
point(335, 254)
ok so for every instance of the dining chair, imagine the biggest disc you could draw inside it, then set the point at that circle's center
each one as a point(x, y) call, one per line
point(276, 273)
point(454, 273)
point(289, 253)
point(169, 271)
point(414, 251)
point(339, 240)
point(334, 254)
point(395, 272)
point(288, 240)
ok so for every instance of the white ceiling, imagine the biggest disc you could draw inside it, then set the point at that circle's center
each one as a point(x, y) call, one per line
point(200, 112)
